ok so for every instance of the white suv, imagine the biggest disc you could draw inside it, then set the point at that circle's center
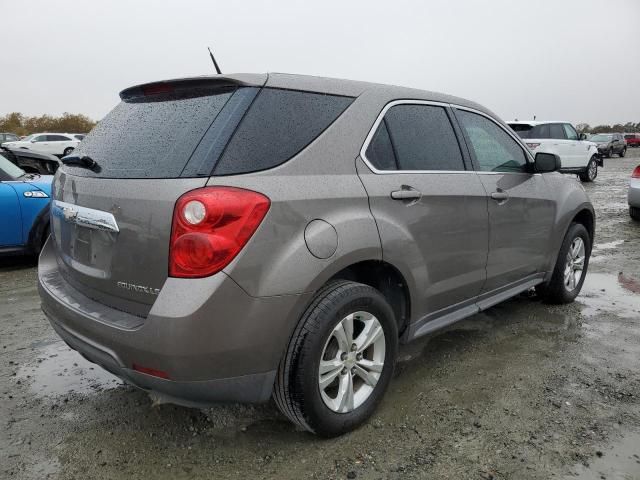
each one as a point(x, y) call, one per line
point(577, 155)
point(60, 144)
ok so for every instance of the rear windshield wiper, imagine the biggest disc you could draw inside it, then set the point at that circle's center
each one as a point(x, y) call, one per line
point(79, 160)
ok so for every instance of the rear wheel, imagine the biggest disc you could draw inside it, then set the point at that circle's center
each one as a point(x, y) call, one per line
point(67, 151)
point(634, 212)
point(571, 267)
point(590, 174)
point(339, 361)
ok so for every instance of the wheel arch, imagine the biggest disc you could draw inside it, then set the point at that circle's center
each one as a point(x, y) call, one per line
point(385, 278)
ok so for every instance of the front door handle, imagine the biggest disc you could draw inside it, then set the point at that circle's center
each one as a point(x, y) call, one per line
point(500, 196)
point(406, 194)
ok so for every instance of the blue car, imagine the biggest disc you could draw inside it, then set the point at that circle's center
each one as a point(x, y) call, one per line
point(24, 209)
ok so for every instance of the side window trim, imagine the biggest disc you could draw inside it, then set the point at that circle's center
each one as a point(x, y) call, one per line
point(381, 118)
point(513, 135)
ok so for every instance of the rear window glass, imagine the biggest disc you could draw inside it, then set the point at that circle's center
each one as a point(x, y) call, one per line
point(150, 137)
point(279, 124)
point(545, 130)
point(227, 132)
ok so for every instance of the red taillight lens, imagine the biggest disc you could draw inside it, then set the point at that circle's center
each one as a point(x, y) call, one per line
point(210, 227)
point(636, 172)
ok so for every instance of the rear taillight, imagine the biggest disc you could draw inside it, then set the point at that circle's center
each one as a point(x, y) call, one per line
point(210, 227)
point(533, 146)
point(636, 172)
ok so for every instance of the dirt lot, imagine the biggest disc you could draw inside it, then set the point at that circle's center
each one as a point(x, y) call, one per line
point(524, 390)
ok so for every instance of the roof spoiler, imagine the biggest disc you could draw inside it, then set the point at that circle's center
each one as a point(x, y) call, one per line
point(184, 84)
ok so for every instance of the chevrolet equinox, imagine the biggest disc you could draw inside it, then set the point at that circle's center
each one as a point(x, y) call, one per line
point(232, 238)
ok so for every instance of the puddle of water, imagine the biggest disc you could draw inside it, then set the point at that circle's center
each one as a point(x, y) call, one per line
point(58, 370)
point(620, 461)
point(605, 292)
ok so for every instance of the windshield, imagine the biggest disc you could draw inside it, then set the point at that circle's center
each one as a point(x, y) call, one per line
point(10, 168)
point(27, 138)
point(601, 138)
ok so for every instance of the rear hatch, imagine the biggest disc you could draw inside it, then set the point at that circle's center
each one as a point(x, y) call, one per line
point(112, 223)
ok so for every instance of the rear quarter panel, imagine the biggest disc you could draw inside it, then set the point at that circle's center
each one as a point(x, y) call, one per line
point(319, 183)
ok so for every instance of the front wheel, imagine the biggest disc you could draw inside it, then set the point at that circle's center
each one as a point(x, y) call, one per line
point(634, 213)
point(339, 361)
point(623, 152)
point(571, 267)
point(590, 174)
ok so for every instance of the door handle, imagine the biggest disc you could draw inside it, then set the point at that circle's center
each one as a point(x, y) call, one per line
point(500, 196)
point(406, 194)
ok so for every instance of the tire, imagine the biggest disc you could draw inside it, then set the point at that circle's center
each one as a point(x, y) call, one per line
point(609, 153)
point(556, 290)
point(67, 151)
point(297, 391)
point(590, 174)
point(623, 152)
point(634, 213)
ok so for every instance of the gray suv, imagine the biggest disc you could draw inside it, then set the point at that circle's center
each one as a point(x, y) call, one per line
point(233, 238)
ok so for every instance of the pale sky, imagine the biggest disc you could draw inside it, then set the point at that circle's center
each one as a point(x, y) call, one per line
point(576, 60)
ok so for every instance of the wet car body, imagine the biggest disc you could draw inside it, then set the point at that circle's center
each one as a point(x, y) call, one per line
point(336, 215)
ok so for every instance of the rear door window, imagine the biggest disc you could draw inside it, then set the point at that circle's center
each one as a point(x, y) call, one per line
point(415, 137)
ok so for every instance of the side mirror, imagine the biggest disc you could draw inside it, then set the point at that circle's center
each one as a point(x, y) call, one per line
point(546, 162)
point(582, 136)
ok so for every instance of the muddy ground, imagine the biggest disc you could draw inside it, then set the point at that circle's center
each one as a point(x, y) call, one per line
point(522, 391)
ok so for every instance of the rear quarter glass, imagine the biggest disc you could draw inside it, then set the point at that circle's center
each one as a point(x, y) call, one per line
point(193, 134)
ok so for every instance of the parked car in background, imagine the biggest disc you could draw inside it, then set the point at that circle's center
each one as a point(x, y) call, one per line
point(577, 155)
point(609, 144)
point(32, 162)
point(233, 237)
point(24, 209)
point(632, 139)
point(59, 144)
point(8, 137)
point(633, 196)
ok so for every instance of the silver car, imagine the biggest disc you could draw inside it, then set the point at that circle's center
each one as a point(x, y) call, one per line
point(233, 238)
point(633, 196)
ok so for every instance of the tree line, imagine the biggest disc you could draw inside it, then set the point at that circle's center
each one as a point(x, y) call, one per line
point(628, 127)
point(20, 124)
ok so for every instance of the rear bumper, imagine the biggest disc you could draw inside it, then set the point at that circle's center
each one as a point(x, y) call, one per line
point(214, 341)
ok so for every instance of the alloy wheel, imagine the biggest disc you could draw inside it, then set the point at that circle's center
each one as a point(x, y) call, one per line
point(574, 265)
point(593, 170)
point(352, 361)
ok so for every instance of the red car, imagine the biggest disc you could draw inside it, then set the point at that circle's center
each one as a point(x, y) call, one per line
point(632, 139)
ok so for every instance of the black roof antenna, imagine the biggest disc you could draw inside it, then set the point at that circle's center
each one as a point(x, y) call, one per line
point(215, 64)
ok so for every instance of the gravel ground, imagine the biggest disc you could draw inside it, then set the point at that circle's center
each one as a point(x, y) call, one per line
point(522, 391)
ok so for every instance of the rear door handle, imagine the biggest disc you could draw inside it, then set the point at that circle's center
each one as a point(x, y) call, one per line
point(406, 194)
point(500, 196)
